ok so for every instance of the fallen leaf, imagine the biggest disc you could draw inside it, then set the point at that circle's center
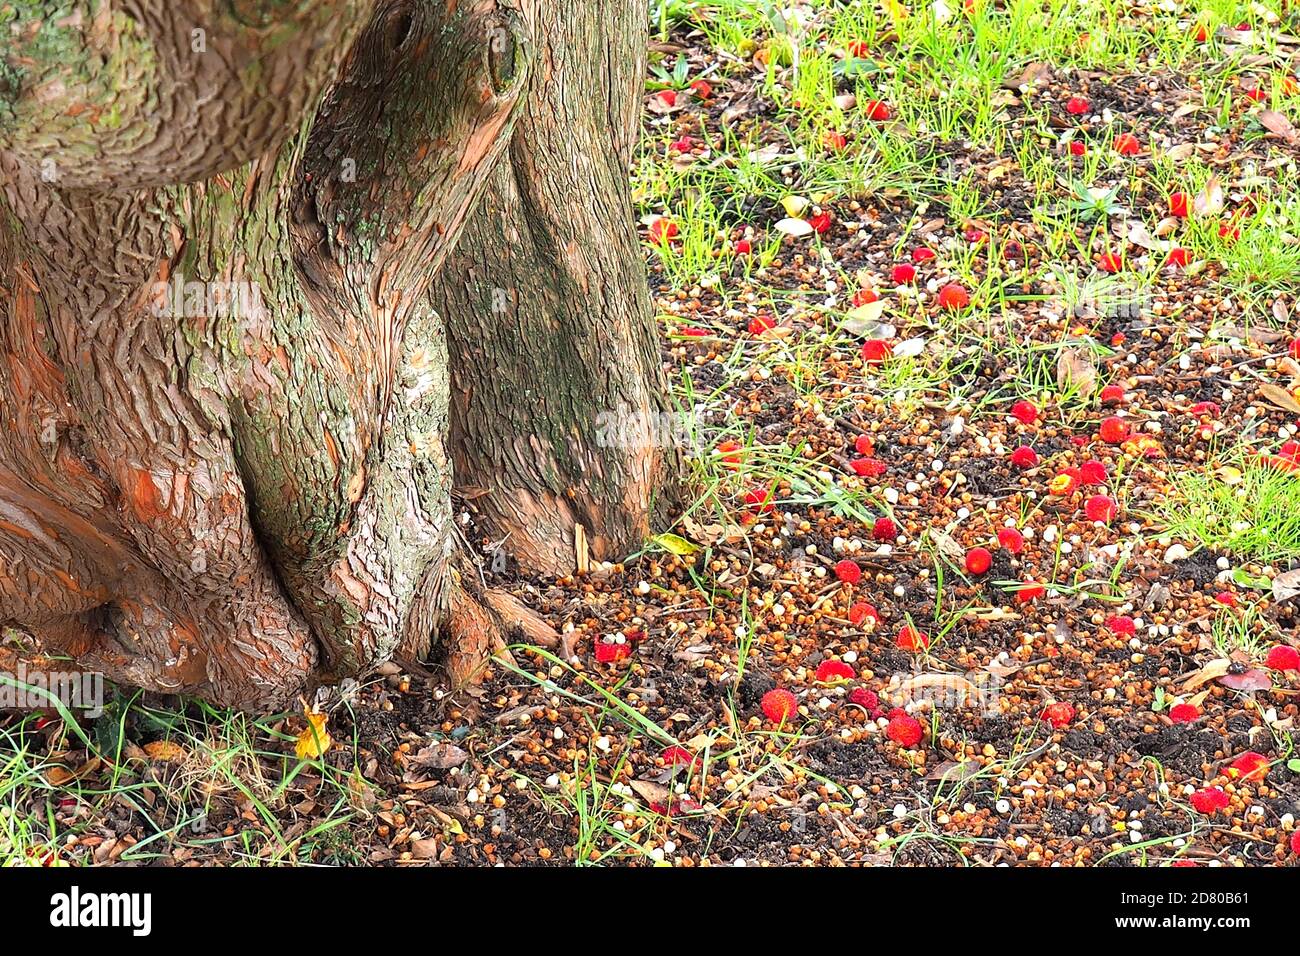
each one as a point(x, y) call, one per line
point(1279, 396)
point(314, 739)
point(439, 756)
point(1252, 679)
point(1286, 585)
point(1074, 367)
point(1209, 201)
point(794, 227)
point(165, 750)
point(1277, 124)
point(676, 544)
point(1211, 671)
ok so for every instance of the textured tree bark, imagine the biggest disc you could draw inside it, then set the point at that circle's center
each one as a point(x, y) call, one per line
point(225, 398)
point(559, 397)
point(222, 466)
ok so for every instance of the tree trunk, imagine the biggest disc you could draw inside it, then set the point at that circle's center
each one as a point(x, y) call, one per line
point(559, 398)
point(226, 400)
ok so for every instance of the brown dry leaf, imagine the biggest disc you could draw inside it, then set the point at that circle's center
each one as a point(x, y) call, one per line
point(165, 750)
point(652, 792)
point(1030, 75)
point(1277, 124)
point(1279, 396)
point(1253, 679)
point(1209, 201)
point(62, 776)
point(1211, 671)
point(948, 686)
point(439, 756)
point(1074, 367)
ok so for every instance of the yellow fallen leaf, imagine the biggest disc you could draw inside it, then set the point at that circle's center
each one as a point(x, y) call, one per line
point(165, 750)
point(794, 206)
point(315, 739)
point(676, 544)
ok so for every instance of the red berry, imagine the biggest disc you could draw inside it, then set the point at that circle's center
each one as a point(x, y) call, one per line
point(1283, 658)
point(860, 612)
point(1250, 766)
point(1202, 33)
point(1178, 205)
point(662, 229)
point(1101, 508)
point(875, 351)
point(1178, 256)
point(863, 445)
point(1112, 394)
point(1092, 472)
point(731, 452)
point(1059, 714)
point(864, 698)
point(1030, 591)
point(668, 97)
point(1126, 144)
point(910, 639)
point(953, 296)
point(859, 49)
point(1114, 430)
point(1293, 349)
point(1226, 598)
point(1109, 262)
point(1184, 713)
point(675, 756)
point(884, 529)
point(1076, 105)
point(922, 254)
point(760, 499)
point(848, 571)
point(1077, 147)
point(903, 273)
point(835, 140)
point(978, 560)
point(1025, 411)
point(744, 247)
point(1295, 842)
point(702, 89)
point(867, 467)
point(760, 324)
point(1209, 799)
point(905, 731)
point(1122, 625)
point(865, 297)
point(876, 110)
point(832, 671)
point(821, 222)
point(779, 705)
point(610, 651)
point(1254, 93)
point(1012, 540)
point(1024, 457)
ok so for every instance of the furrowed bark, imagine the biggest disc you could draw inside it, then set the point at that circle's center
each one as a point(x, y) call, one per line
point(559, 399)
point(138, 93)
point(197, 495)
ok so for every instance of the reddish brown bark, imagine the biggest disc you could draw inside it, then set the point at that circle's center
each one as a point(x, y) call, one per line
point(224, 396)
point(550, 323)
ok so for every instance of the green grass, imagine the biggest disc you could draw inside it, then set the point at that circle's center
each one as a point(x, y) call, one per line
point(1256, 518)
